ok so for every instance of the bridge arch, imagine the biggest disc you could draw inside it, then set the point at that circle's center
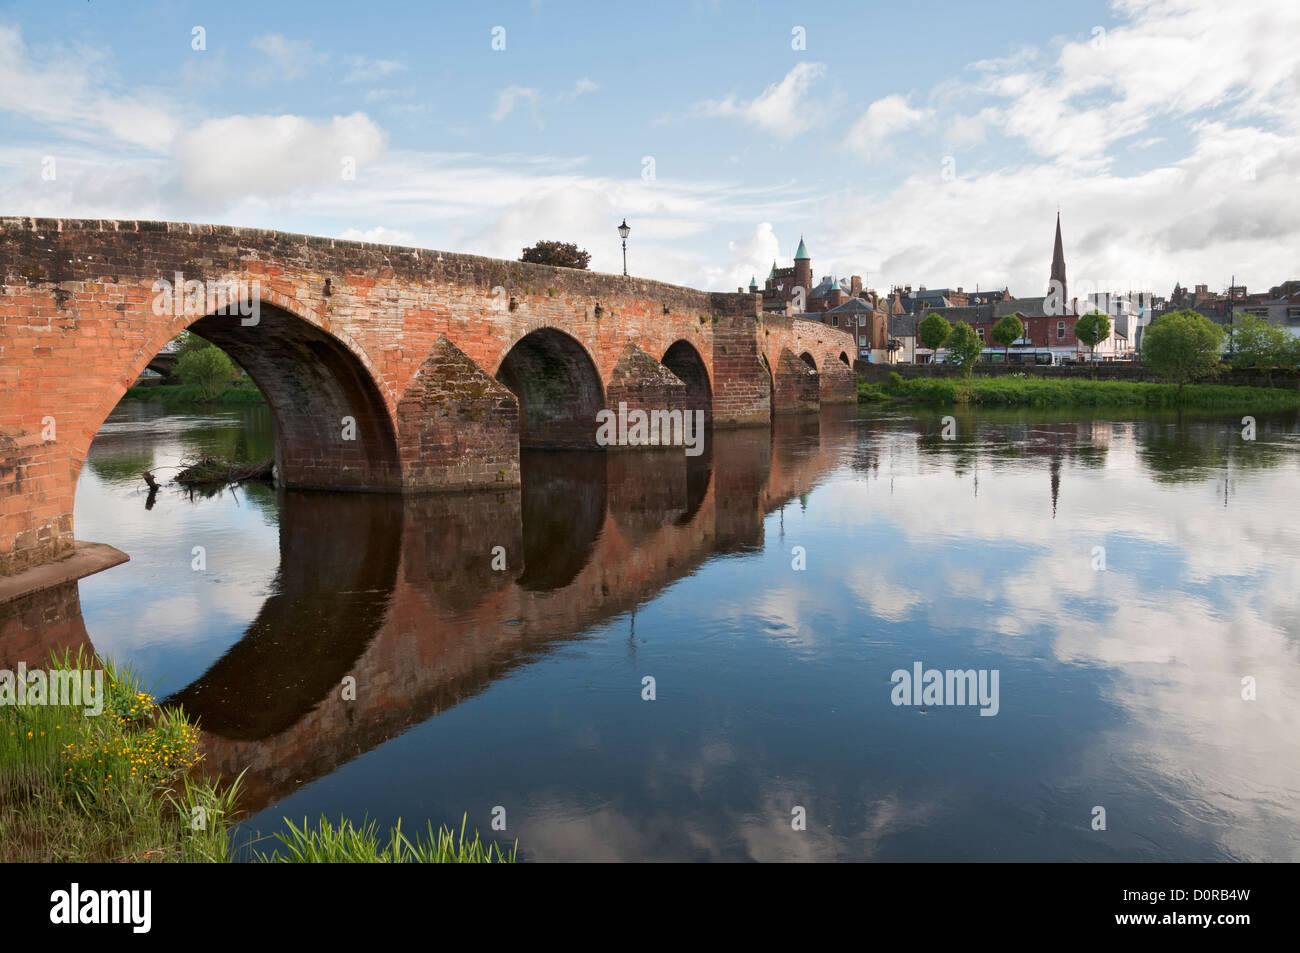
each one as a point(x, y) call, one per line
point(686, 363)
point(844, 359)
point(808, 359)
point(558, 388)
point(333, 428)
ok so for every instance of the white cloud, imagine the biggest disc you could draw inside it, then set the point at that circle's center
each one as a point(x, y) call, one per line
point(379, 235)
point(582, 86)
point(884, 118)
point(1169, 60)
point(285, 58)
point(782, 109)
point(748, 257)
point(512, 96)
point(364, 69)
point(71, 91)
point(251, 155)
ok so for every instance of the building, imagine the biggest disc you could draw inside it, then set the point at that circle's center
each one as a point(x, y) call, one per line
point(780, 291)
point(793, 290)
point(902, 338)
point(1280, 307)
point(867, 322)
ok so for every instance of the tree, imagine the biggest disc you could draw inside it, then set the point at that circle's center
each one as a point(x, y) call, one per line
point(934, 331)
point(964, 347)
point(563, 254)
point(1007, 331)
point(1092, 329)
point(1256, 343)
point(188, 341)
point(1182, 346)
point(208, 369)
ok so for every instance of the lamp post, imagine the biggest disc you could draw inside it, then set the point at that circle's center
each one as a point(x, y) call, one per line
point(623, 231)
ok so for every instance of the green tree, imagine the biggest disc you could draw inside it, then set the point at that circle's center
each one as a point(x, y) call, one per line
point(933, 331)
point(1092, 328)
point(1182, 346)
point(1290, 355)
point(188, 341)
point(1256, 343)
point(208, 369)
point(1007, 331)
point(964, 347)
point(563, 254)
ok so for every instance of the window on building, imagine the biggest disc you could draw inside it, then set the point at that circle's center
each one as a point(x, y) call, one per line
point(980, 332)
point(835, 320)
point(1060, 330)
point(862, 320)
point(862, 340)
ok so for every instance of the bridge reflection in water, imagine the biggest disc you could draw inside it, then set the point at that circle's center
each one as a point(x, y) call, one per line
point(400, 593)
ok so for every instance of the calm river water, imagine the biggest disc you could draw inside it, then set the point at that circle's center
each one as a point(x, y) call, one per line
point(1122, 577)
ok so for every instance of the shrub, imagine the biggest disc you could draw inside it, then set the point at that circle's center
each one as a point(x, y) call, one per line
point(563, 254)
point(208, 369)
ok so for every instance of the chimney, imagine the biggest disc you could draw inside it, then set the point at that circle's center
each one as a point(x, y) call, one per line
point(855, 285)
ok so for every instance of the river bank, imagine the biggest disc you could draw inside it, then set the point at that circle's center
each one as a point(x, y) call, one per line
point(175, 395)
point(94, 770)
point(1013, 391)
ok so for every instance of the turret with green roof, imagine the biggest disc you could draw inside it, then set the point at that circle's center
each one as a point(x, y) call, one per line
point(803, 267)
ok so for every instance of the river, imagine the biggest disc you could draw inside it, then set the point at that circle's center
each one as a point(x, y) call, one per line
point(695, 659)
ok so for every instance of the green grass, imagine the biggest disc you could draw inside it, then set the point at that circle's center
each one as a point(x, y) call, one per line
point(106, 787)
point(176, 394)
point(1011, 390)
point(122, 785)
point(345, 843)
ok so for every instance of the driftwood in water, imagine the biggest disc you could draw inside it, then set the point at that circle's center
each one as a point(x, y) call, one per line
point(213, 470)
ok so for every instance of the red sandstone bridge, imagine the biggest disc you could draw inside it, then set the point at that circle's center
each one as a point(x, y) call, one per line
point(385, 368)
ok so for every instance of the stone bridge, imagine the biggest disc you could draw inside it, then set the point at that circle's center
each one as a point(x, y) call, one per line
point(412, 609)
point(386, 368)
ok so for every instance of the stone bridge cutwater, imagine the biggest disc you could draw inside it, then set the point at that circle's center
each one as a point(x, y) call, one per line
point(385, 368)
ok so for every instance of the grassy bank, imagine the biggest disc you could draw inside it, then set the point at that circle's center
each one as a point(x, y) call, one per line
point(176, 394)
point(1009, 391)
point(119, 784)
point(110, 786)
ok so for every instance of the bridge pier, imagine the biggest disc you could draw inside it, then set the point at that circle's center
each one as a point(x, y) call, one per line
point(457, 428)
point(796, 387)
point(837, 382)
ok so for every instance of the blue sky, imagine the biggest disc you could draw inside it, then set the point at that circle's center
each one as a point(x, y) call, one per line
point(928, 143)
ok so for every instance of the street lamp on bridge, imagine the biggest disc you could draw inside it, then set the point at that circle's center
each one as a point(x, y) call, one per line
point(623, 231)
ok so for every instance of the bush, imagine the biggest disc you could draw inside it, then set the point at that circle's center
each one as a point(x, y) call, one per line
point(208, 369)
point(562, 254)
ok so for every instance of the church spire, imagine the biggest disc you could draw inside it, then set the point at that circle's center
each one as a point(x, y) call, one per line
point(1058, 261)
